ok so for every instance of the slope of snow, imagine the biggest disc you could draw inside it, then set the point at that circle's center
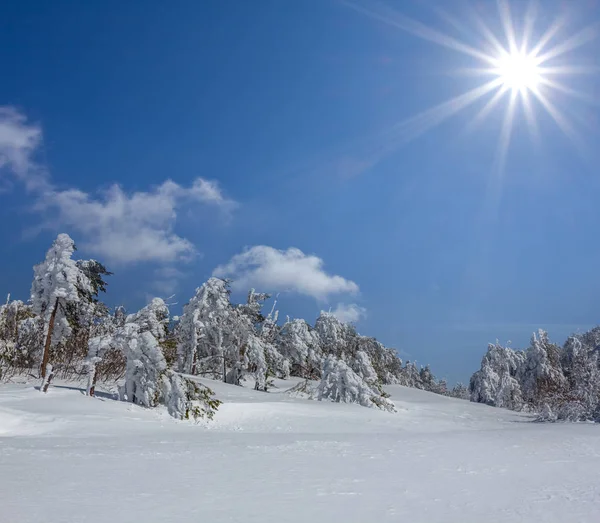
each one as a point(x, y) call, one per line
point(266, 457)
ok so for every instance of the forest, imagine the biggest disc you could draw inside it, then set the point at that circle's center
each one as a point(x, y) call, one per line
point(66, 332)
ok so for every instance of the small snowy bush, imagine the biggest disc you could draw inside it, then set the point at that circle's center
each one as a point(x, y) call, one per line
point(341, 384)
point(186, 399)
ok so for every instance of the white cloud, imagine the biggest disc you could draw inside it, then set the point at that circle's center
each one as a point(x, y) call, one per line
point(18, 142)
point(115, 225)
point(349, 313)
point(128, 228)
point(271, 269)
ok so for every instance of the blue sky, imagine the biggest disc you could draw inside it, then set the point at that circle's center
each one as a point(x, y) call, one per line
point(287, 125)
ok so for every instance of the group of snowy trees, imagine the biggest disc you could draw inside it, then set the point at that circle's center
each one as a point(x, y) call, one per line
point(560, 383)
point(65, 331)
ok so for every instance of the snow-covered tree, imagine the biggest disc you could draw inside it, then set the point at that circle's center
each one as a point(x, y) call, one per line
point(300, 344)
point(187, 399)
point(341, 384)
point(18, 351)
point(542, 380)
point(61, 286)
point(460, 391)
point(411, 377)
point(582, 372)
point(336, 337)
point(153, 318)
point(148, 381)
point(145, 367)
point(497, 382)
point(204, 329)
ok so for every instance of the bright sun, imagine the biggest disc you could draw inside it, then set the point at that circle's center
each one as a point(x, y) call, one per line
point(522, 66)
point(518, 71)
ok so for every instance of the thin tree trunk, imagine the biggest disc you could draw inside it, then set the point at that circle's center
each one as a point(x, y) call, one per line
point(93, 376)
point(194, 362)
point(47, 379)
point(46, 356)
point(224, 369)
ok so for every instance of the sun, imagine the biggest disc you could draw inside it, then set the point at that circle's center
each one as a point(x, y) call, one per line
point(522, 65)
point(519, 71)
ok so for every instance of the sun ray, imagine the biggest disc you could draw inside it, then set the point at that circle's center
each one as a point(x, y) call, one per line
point(582, 37)
point(518, 64)
point(547, 36)
point(424, 121)
point(416, 28)
point(488, 34)
point(506, 132)
point(509, 30)
point(532, 124)
point(486, 109)
point(558, 86)
point(557, 116)
point(569, 70)
point(452, 20)
point(530, 18)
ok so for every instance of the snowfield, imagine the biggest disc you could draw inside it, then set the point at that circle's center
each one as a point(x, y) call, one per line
point(267, 457)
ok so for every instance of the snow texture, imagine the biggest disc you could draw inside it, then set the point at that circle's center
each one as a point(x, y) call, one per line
point(67, 458)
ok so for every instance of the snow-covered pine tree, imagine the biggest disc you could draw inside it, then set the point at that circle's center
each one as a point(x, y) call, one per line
point(340, 384)
point(60, 287)
point(300, 345)
point(543, 380)
point(203, 328)
point(145, 367)
point(148, 381)
point(582, 372)
point(497, 383)
point(337, 338)
point(153, 318)
point(277, 364)
point(411, 377)
point(460, 391)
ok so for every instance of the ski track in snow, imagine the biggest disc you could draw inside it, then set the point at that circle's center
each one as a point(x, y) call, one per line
point(268, 457)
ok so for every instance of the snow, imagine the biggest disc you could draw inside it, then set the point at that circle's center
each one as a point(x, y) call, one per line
point(66, 457)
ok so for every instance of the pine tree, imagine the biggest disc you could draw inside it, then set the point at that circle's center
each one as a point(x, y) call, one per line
point(341, 384)
point(61, 287)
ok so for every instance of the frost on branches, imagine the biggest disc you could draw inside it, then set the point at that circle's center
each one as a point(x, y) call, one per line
point(497, 383)
point(149, 383)
point(153, 318)
point(204, 330)
point(341, 384)
point(63, 297)
point(20, 339)
point(299, 343)
point(559, 383)
point(67, 327)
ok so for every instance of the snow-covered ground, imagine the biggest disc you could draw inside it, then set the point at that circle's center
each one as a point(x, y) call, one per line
point(65, 457)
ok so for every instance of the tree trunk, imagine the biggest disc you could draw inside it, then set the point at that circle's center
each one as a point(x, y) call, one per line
point(93, 376)
point(46, 355)
point(49, 374)
point(224, 369)
point(194, 362)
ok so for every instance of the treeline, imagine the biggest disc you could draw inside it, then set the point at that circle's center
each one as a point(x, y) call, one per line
point(557, 382)
point(66, 331)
